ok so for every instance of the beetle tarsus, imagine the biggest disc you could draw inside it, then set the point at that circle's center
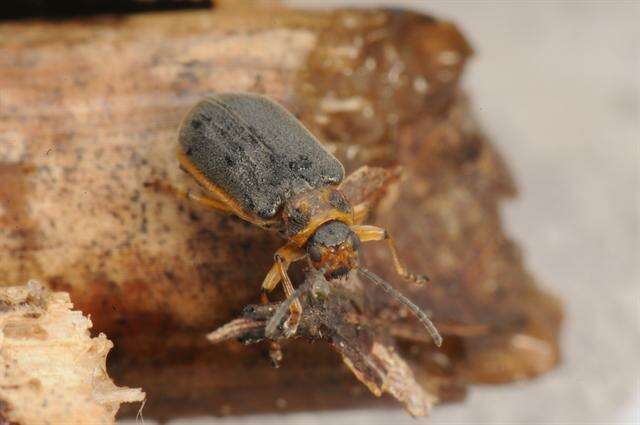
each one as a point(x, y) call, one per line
point(291, 324)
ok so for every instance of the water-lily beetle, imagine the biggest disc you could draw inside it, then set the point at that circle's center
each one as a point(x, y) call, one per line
point(257, 161)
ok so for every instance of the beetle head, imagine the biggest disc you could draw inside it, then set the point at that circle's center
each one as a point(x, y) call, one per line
point(334, 248)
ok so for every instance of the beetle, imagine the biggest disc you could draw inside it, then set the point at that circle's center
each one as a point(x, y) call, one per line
point(257, 161)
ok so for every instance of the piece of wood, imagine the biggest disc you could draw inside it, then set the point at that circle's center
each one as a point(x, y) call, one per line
point(52, 371)
point(89, 112)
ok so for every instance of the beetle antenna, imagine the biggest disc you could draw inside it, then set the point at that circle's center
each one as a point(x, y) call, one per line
point(421, 315)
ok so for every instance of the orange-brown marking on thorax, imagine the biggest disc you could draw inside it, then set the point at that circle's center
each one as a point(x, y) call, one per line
point(304, 213)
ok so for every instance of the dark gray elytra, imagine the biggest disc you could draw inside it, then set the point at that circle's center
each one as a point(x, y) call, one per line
point(256, 151)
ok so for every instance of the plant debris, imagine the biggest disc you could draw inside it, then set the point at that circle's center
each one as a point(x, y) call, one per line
point(333, 312)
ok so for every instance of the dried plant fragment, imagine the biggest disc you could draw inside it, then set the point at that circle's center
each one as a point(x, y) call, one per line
point(51, 370)
point(333, 312)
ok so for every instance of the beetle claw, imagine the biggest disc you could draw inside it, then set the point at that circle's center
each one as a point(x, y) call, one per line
point(291, 325)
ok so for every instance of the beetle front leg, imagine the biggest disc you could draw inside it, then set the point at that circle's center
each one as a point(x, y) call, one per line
point(368, 233)
point(291, 325)
point(278, 272)
point(288, 254)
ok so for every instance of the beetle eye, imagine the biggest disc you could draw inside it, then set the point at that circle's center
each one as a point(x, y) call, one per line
point(314, 253)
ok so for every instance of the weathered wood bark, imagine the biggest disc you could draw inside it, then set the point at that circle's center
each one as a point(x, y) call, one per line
point(89, 112)
point(51, 370)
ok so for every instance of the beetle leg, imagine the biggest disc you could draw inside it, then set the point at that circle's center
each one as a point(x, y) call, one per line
point(283, 258)
point(291, 325)
point(360, 212)
point(289, 254)
point(210, 203)
point(372, 233)
point(272, 279)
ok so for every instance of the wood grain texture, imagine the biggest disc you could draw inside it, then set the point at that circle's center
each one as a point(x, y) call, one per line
point(52, 370)
point(89, 111)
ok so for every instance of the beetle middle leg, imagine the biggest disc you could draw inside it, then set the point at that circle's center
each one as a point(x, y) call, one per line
point(278, 272)
point(373, 233)
point(211, 203)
